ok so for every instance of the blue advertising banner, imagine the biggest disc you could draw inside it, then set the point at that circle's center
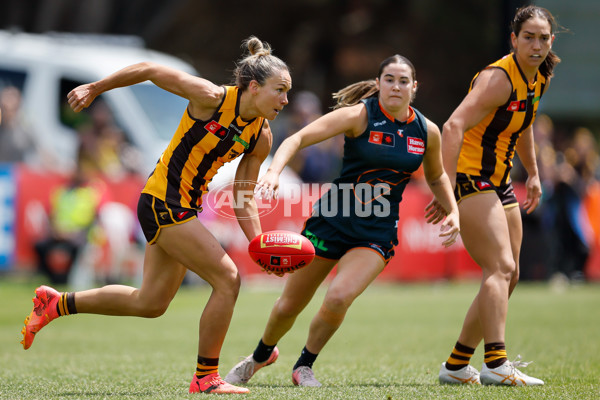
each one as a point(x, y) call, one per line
point(7, 216)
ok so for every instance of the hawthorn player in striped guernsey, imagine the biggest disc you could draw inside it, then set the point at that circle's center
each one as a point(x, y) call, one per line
point(479, 142)
point(219, 124)
point(354, 224)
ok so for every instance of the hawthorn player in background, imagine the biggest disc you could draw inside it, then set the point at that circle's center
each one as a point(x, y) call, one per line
point(478, 143)
point(385, 141)
point(219, 124)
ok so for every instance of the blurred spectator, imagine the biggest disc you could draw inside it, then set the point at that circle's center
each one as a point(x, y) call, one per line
point(105, 160)
point(576, 173)
point(559, 234)
point(318, 163)
point(543, 133)
point(72, 216)
point(588, 148)
point(16, 140)
point(103, 149)
point(538, 227)
point(583, 155)
point(591, 205)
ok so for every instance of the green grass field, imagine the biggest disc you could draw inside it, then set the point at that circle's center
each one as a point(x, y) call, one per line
point(389, 347)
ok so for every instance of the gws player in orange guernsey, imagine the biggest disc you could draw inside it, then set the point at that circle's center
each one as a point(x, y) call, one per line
point(219, 124)
point(354, 224)
point(478, 144)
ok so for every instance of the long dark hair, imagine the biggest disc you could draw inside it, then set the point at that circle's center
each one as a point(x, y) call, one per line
point(524, 14)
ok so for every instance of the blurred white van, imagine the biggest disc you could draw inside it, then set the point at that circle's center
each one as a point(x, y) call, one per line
point(46, 67)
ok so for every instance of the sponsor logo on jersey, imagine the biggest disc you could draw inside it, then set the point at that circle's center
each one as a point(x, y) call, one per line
point(216, 129)
point(379, 123)
point(238, 139)
point(317, 243)
point(383, 138)
point(415, 145)
point(235, 128)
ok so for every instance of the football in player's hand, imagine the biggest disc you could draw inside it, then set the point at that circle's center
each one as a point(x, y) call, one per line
point(281, 251)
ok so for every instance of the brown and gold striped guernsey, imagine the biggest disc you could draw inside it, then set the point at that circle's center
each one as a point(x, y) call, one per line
point(489, 147)
point(198, 149)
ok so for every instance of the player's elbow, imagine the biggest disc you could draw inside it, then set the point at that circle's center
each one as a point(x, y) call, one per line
point(452, 126)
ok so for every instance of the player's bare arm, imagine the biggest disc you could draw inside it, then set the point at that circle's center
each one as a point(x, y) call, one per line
point(204, 96)
point(491, 89)
point(245, 178)
point(438, 182)
point(346, 120)
point(526, 150)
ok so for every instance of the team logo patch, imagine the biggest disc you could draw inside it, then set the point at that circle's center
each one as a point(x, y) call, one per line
point(233, 154)
point(517, 105)
point(483, 185)
point(213, 126)
point(383, 138)
point(217, 129)
point(415, 145)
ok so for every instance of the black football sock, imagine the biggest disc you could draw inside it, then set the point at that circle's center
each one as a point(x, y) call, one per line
point(262, 352)
point(306, 359)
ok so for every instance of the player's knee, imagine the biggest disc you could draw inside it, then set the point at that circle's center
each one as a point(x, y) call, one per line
point(234, 289)
point(331, 317)
point(234, 282)
point(287, 308)
point(513, 281)
point(227, 283)
point(338, 301)
point(507, 269)
point(339, 304)
point(154, 310)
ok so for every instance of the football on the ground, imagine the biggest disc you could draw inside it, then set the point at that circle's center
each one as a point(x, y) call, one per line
point(281, 251)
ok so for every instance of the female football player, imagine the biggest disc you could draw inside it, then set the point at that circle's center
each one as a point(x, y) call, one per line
point(219, 124)
point(479, 142)
point(354, 225)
